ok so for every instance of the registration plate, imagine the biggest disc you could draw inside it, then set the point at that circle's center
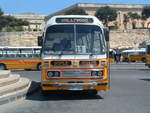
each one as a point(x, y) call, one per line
point(75, 88)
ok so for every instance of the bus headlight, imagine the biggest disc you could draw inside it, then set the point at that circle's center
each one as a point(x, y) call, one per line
point(97, 73)
point(53, 74)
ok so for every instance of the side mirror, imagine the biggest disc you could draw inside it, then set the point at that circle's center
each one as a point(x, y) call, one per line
point(106, 33)
point(40, 40)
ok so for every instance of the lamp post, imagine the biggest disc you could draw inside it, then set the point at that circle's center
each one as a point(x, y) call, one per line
point(119, 16)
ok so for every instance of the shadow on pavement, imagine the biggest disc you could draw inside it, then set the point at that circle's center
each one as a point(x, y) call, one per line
point(34, 87)
point(148, 79)
point(69, 95)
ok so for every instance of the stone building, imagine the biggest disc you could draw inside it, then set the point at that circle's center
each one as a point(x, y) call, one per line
point(122, 10)
point(121, 38)
point(36, 22)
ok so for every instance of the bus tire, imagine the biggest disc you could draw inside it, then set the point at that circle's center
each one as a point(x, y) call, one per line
point(44, 93)
point(39, 66)
point(2, 67)
point(126, 60)
point(143, 59)
point(132, 61)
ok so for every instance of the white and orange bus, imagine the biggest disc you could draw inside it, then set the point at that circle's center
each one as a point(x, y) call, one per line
point(20, 58)
point(75, 54)
point(138, 55)
point(147, 55)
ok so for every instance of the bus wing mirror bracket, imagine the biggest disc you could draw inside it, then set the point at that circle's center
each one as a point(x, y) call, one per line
point(106, 33)
point(40, 40)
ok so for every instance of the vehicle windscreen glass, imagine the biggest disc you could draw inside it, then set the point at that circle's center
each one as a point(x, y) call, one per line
point(74, 39)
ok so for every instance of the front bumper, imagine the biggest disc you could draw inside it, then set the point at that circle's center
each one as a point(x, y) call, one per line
point(75, 86)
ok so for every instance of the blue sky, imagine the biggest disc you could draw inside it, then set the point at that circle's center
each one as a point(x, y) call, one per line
point(51, 6)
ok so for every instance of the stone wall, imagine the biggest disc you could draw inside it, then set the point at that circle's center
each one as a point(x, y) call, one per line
point(122, 10)
point(118, 39)
point(128, 38)
point(19, 38)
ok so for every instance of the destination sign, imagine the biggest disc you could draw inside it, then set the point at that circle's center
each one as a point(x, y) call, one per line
point(74, 20)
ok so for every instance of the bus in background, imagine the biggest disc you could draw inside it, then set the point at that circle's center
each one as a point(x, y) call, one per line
point(75, 55)
point(20, 58)
point(147, 55)
point(138, 55)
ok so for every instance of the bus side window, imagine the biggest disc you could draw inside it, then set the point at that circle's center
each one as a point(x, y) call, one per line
point(12, 56)
point(23, 55)
point(18, 55)
point(29, 55)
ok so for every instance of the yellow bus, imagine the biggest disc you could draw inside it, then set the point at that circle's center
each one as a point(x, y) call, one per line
point(20, 58)
point(75, 55)
point(138, 55)
point(147, 55)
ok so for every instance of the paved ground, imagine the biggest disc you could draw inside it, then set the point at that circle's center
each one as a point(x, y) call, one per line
point(129, 93)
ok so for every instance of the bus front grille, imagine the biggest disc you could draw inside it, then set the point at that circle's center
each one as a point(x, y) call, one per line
point(77, 73)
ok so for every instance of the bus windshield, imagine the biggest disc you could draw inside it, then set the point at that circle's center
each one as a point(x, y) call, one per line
point(74, 39)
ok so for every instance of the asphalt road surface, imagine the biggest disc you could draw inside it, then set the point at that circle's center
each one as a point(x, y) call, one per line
point(129, 93)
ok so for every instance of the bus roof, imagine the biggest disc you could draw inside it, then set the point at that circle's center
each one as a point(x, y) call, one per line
point(147, 43)
point(134, 50)
point(21, 47)
point(70, 19)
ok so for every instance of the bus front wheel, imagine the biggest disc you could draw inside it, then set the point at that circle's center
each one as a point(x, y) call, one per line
point(143, 59)
point(2, 67)
point(39, 66)
point(126, 60)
